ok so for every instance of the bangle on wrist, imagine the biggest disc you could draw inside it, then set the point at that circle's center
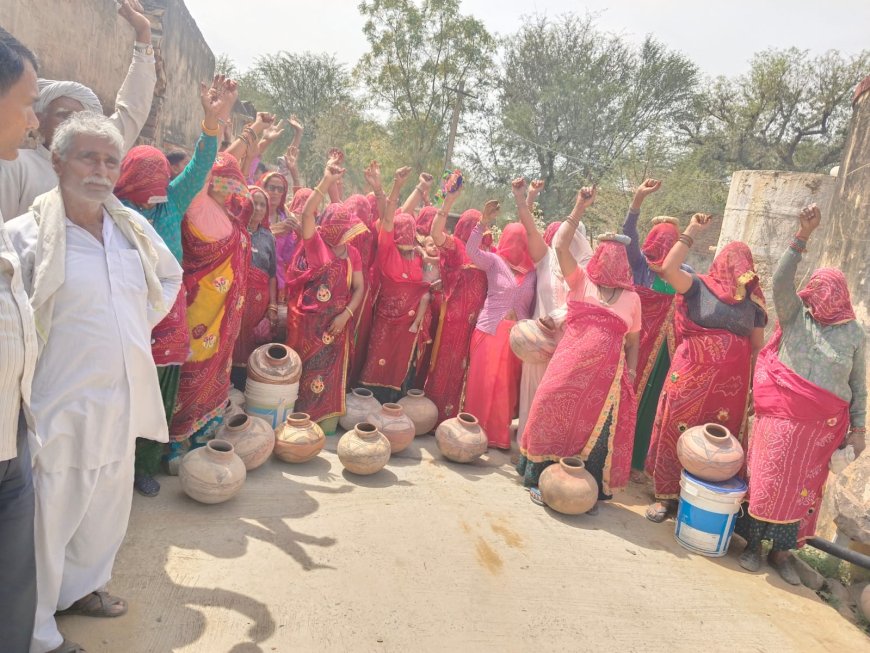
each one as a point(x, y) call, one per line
point(317, 190)
point(347, 308)
point(210, 132)
point(686, 239)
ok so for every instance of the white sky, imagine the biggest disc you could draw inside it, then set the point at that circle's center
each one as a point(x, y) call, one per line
point(719, 35)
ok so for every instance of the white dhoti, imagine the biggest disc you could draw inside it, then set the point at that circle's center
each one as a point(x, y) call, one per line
point(80, 522)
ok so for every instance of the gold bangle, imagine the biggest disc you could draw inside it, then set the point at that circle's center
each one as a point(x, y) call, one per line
point(347, 308)
point(210, 132)
point(317, 190)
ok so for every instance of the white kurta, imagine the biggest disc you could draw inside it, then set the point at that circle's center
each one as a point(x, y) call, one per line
point(551, 296)
point(94, 391)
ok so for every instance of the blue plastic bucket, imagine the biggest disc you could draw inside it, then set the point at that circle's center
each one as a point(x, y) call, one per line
point(708, 511)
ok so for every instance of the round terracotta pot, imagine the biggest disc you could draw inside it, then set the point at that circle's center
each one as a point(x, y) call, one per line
point(252, 438)
point(232, 409)
point(422, 411)
point(274, 363)
point(710, 452)
point(364, 450)
point(213, 473)
point(299, 439)
point(531, 343)
point(461, 438)
point(395, 425)
point(358, 405)
point(568, 488)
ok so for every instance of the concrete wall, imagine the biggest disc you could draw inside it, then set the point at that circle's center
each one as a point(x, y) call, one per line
point(86, 41)
point(762, 210)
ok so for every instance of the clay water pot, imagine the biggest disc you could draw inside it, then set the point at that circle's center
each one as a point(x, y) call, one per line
point(358, 405)
point(422, 411)
point(568, 488)
point(710, 452)
point(395, 425)
point(298, 439)
point(364, 450)
point(231, 409)
point(252, 438)
point(274, 363)
point(213, 473)
point(531, 343)
point(461, 438)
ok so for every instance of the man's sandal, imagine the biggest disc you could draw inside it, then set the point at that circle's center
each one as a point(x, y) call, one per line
point(68, 647)
point(97, 604)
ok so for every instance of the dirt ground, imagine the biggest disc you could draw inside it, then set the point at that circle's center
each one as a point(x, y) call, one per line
point(428, 555)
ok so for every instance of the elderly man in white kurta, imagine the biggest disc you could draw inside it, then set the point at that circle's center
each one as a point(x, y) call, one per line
point(31, 174)
point(99, 278)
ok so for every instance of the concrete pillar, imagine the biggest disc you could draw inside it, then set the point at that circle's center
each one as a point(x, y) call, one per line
point(762, 210)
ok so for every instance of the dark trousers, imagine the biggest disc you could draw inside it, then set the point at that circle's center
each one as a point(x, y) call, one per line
point(17, 561)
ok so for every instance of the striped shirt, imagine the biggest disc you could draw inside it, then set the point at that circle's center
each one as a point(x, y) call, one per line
point(18, 346)
point(503, 293)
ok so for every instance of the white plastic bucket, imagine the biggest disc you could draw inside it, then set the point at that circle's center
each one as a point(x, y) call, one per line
point(270, 401)
point(707, 514)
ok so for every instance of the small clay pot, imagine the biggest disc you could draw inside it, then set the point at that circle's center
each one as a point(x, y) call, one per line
point(395, 425)
point(530, 343)
point(213, 473)
point(359, 404)
point(274, 363)
point(568, 488)
point(299, 439)
point(461, 438)
point(422, 411)
point(710, 452)
point(252, 438)
point(364, 450)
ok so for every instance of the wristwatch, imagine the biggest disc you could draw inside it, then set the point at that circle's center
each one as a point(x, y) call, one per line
point(143, 48)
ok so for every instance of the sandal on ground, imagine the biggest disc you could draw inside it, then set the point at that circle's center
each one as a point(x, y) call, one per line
point(68, 647)
point(97, 604)
point(535, 496)
point(785, 568)
point(750, 559)
point(146, 485)
point(659, 511)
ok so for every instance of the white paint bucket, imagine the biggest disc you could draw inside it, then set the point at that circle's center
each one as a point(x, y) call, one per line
point(270, 401)
point(707, 514)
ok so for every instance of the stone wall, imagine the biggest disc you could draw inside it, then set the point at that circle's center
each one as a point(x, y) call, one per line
point(86, 41)
point(762, 210)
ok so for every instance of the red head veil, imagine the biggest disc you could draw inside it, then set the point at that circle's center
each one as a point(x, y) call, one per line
point(733, 274)
point(360, 207)
point(467, 222)
point(550, 232)
point(144, 175)
point(609, 266)
point(826, 295)
point(513, 247)
point(238, 204)
point(339, 226)
point(425, 219)
point(658, 243)
point(299, 198)
point(404, 230)
point(266, 177)
point(254, 190)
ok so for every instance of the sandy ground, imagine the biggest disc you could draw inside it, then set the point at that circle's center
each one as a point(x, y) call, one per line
point(428, 555)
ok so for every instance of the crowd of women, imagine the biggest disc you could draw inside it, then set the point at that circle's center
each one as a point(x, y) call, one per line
point(381, 295)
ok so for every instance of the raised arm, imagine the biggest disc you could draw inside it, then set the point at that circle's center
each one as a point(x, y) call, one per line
point(245, 145)
point(535, 189)
point(133, 102)
point(389, 215)
point(373, 179)
point(565, 234)
point(672, 271)
point(420, 193)
point(629, 227)
point(483, 260)
point(441, 214)
point(537, 246)
point(331, 174)
point(785, 296)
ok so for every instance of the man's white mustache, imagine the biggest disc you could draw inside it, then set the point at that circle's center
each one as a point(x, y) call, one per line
point(99, 181)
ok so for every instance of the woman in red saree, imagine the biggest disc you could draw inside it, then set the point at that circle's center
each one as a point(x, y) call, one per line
point(585, 405)
point(216, 261)
point(260, 313)
point(393, 347)
point(325, 286)
point(493, 389)
point(809, 391)
point(719, 322)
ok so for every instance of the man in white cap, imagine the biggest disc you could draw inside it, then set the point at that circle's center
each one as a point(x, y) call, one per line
point(31, 174)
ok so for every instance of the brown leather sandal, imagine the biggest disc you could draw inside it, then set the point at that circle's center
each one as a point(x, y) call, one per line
point(97, 604)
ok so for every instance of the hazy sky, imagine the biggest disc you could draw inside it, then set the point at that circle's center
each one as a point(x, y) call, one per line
point(719, 35)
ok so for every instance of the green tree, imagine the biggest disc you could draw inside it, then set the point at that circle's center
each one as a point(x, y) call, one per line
point(789, 112)
point(418, 52)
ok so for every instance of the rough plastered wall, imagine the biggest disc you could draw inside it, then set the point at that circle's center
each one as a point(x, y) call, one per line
point(762, 210)
point(86, 41)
